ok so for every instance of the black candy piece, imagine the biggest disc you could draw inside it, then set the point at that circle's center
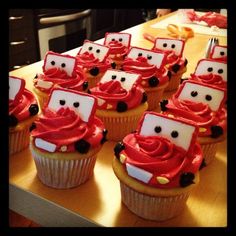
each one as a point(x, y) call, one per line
point(121, 106)
point(94, 71)
point(82, 146)
point(33, 109)
point(186, 179)
point(153, 81)
point(118, 148)
point(216, 131)
point(104, 135)
point(13, 121)
point(85, 85)
point(163, 104)
point(175, 68)
point(144, 99)
point(113, 65)
point(33, 126)
point(169, 74)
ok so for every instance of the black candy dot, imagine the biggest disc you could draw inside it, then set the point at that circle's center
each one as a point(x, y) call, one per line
point(157, 129)
point(174, 134)
point(118, 148)
point(121, 106)
point(113, 77)
point(220, 71)
point(94, 71)
point(210, 69)
point(63, 65)
point(149, 57)
point(153, 81)
point(186, 179)
point(33, 109)
point(140, 54)
point(82, 146)
point(53, 63)
point(208, 97)
point(13, 121)
point(62, 102)
point(164, 45)
point(76, 104)
point(194, 93)
point(173, 46)
point(222, 53)
point(98, 51)
point(122, 79)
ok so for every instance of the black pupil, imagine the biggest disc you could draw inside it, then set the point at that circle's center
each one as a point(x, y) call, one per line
point(113, 77)
point(208, 97)
point(90, 48)
point(149, 57)
point(210, 69)
point(63, 65)
point(53, 63)
point(98, 50)
point(122, 79)
point(174, 134)
point(76, 104)
point(62, 102)
point(120, 39)
point(140, 54)
point(220, 71)
point(164, 45)
point(173, 46)
point(157, 129)
point(222, 53)
point(113, 40)
point(194, 93)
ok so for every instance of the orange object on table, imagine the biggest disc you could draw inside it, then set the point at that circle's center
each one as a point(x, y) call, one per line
point(182, 32)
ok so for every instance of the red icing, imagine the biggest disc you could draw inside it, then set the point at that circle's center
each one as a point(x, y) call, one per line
point(162, 158)
point(141, 66)
point(65, 127)
point(117, 47)
point(60, 78)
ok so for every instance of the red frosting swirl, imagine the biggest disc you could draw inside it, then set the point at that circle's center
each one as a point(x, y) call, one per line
point(65, 127)
point(141, 66)
point(112, 92)
point(160, 157)
point(210, 78)
point(60, 78)
point(117, 49)
point(87, 61)
point(200, 113)
point(20, 107)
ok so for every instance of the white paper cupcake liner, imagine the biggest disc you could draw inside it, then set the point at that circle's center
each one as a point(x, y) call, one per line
point(209, 152)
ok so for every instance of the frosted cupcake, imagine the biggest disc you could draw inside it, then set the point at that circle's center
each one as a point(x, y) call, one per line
point(93, 60)
point(121, 102)
point(202, 104)
point(66, 138)
point(23, 109)
point(176, 63)
point(58, 71)
point(119, 44)
point(158, 166)
point(219, 53)
point(150, 65)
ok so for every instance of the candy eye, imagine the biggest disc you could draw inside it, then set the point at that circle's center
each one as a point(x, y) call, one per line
point(140, 54)
point(222, 53)
point(113, 77)
point(164, 45)
point(210, 69)
point(53, 63)
point(62, 102)
point(174, 134)
point(194, 93)
point(63, 65)
point(122, 79)
point(208, 97)
point(220, 71)
point(76, 104)
point(149, 57)
point(98, 50)
point(157, 129)
point(113, 39)
point(120, 39)
point(90, 48)
point(173, 46)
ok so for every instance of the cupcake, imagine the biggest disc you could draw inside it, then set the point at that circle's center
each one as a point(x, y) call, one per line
point(119, 44)
point(176, 63)
point(23, 109)
point(150, 65)
point(219, 53)
point(92, 59)
point(121, 102)
point(158, 166)
point(202, 104)
point(58, 70)
point(66, 138)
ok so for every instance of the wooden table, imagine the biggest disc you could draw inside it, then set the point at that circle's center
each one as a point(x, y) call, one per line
point(98, 201)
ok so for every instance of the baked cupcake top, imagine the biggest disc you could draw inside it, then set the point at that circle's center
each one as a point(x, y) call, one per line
point(60, 70)
point(209, 71)
point(149, 64)
point(119, 90)
point(118, 43)
point(200, 103)
point(92, 58)
point(68, 124)
point(163, 152)
point(219, 53)
point(22, 102)
point(175, 61)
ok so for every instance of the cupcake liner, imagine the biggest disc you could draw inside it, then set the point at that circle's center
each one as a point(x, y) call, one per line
point(63, 174)
point(93, 80)
point(42, 97)
point(153, 207)
point(209, 152)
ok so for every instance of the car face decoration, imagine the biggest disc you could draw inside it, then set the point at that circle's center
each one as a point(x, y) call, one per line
point(123, 38)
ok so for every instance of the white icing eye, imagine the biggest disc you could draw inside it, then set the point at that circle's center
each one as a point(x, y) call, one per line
point(202, 93)
point(123, 38)
point(81, 103)
point(56, 60)
point(219, 51)
point(126, 79)
point(153, 58)
point(16, 87)
point(176, 45)
point(206, 66)
point(179, 133)
point(99, 51)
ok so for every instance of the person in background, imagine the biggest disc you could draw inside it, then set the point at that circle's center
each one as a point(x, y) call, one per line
point(162, 12)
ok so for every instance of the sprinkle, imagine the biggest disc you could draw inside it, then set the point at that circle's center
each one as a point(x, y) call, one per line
point(170, 115)
point(143, 82)
point(201, 129)
point(63, 148)
point(109, 106)
point(122, 158)
point(162, 180)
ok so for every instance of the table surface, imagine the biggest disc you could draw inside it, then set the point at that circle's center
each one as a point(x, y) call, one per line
point(98, 201)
